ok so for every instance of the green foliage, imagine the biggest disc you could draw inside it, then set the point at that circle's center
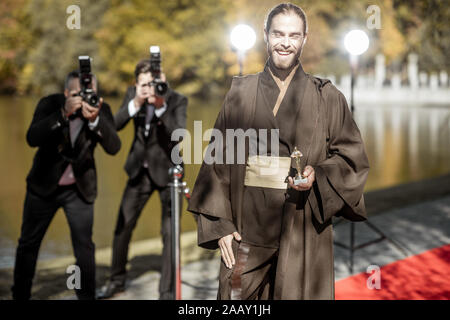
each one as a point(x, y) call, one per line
point(426, 24)
point(37, 49)
point(14, 41)
point(189, 33)
point(55, 48)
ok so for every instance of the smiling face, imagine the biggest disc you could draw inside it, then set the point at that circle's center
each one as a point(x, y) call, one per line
point(285, 40)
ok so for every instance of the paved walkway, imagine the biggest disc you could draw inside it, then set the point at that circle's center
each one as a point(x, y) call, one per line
point(415, 229)
point(415, 216)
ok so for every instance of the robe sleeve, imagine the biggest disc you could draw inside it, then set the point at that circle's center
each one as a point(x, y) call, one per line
point(340, 179)
point(211, 229)
point(210, 199)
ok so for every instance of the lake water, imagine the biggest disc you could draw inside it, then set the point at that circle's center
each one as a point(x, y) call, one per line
point(404, 143)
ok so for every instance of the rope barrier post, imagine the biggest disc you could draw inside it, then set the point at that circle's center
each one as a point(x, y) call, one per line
point(177, 187)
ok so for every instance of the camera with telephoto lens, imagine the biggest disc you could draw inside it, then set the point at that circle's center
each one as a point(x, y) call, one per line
point(86, 82)
point(160, 86)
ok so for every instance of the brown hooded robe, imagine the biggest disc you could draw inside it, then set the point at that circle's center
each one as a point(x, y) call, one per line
point(331, 143)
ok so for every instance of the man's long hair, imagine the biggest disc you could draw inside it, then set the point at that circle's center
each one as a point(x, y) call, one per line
point(286, 8)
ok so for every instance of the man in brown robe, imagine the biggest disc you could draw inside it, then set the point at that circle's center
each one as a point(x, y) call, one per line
point(276, 237)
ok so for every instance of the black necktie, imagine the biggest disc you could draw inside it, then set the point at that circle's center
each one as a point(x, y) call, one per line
point(148, 118)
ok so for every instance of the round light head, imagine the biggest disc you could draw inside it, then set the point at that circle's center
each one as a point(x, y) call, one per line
point(242, 37)
point(356, 42)
point(154, 49)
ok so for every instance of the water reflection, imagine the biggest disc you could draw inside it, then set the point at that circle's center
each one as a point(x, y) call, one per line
point(404, 143)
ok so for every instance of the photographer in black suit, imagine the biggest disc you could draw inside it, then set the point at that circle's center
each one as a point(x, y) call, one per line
point(155, 118)
point(66, 130)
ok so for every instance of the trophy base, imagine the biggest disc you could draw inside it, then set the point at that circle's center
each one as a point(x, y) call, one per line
point(299, 180)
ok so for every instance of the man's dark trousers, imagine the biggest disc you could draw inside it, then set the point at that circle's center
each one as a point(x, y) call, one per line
point(154, 152)
point(136, 194)
point(37, 214)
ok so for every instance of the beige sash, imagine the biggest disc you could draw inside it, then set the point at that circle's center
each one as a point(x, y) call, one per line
point(267, 171)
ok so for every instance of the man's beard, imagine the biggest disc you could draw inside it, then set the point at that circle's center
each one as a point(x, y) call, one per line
point(287, 63)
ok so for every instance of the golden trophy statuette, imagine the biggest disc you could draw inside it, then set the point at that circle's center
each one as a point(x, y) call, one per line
point(296, 155)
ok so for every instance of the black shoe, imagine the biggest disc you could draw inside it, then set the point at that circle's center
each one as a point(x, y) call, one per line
point(110, 289)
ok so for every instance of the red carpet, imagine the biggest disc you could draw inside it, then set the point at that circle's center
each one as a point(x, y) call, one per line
point(425, 276)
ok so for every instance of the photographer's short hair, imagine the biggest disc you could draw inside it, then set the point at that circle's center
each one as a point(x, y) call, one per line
point(285, 8)
point(142, 67)
point(71, 75)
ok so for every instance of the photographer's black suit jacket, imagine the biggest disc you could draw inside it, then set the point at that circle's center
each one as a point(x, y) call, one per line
point(50, 132)
point(157, 148)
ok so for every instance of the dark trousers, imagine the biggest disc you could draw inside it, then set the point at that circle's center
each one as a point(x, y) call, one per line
point(38, 212)
point(135, 196)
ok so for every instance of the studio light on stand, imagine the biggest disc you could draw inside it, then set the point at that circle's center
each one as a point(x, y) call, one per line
point(242, 38)
point(356, 42)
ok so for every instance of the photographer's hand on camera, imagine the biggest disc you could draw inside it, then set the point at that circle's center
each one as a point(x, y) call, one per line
point(157, 101)
point(72, 104)
point(89, 112)
point(146, 93)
